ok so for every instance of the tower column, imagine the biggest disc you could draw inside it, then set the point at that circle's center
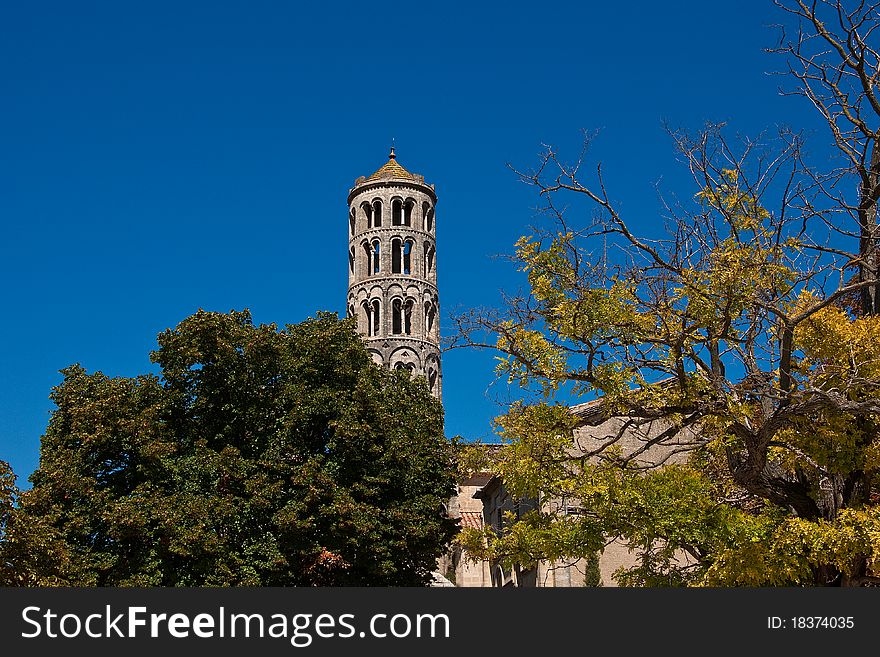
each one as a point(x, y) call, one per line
point(419, 349)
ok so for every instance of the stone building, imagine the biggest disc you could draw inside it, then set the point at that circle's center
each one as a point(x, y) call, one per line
point(392, 270)
point(483, 500)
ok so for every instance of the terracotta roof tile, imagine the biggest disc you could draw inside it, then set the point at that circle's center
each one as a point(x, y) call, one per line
point(473, 519)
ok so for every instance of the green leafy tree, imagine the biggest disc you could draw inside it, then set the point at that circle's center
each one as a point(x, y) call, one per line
point(258, 457)
point(27, 546)
point(745, 325)
point(8, 495)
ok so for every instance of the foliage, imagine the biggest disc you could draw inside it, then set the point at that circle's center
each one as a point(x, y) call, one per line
point(736, 440)
point(8, 495)
point(259, 457)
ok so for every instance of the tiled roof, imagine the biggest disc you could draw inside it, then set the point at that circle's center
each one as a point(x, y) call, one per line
point(473, 519)
point(594, 411)
point(477, 479)
point(591, 412)
point(392, 169)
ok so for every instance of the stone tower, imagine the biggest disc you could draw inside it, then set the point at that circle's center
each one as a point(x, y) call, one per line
point(392, 269)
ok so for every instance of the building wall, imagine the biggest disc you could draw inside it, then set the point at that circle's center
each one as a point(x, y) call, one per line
point(467, 508)
point(642, 441)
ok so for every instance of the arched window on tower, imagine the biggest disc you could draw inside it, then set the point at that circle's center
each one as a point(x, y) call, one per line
point(407, 212)
point(368, 259)
point(377, 213)
point(409, 367)
point(407, 257)
point(432, 379)
point(352, 219)
point(407, 316)
point(396, 212)
point(430, 317)
point(371, 317)
point(351, 310)
point(397, 317)
point(351, 260)
point(375, 313)
point(367, 324)
point(368, 214)
point(375, 252)
point(429, 259)
point(428, 212)
point(395, 256)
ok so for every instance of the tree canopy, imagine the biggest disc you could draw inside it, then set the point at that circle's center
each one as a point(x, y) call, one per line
point(8, 492)
point(258, 457)
point(745, 322)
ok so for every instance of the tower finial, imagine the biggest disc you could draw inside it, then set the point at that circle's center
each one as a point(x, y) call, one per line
point(391, 155)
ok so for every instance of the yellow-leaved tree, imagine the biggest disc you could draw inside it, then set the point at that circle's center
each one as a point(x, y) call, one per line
point(747, 328)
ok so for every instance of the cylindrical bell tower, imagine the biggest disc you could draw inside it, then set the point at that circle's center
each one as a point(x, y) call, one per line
point(392, 270)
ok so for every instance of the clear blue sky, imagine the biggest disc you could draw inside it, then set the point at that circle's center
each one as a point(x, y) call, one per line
point(157, 158)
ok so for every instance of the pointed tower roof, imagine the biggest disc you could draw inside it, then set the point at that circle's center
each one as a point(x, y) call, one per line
point(392, 169)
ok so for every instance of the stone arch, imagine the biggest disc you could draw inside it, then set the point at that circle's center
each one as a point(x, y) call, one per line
point(376, 292)
point(376, 311)
point(428, 217)
point(432, 373)
point(408, 205)
point(366, 318)
point(407, 256)
point(377, 212)
point(375, 257)
point(396, 211)
point(367, 211)
point(397, 315)
point(372, 315)
point(408, 313)
point(499, 579)
point(351, 310)
point(402, 311)
point(429, 253)
point(412, 294)
point(430, 317)
point(396, 255)
point(376, 356)
point(405, 357)
point(367, 257)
